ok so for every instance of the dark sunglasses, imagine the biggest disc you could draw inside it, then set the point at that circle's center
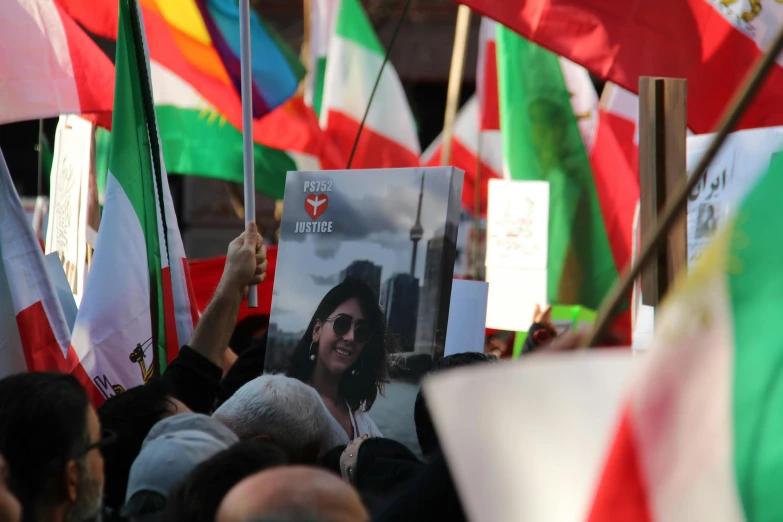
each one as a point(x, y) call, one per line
point(343, 323)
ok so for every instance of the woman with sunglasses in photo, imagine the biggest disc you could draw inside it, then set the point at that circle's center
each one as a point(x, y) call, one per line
point(343, 355)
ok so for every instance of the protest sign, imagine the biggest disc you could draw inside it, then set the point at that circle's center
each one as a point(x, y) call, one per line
point(518, 224)
point(467, 317)
point(744, 154)
point(74, 213)
point(393, 229)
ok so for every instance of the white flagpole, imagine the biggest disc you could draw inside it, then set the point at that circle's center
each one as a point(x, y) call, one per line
point(247, 126)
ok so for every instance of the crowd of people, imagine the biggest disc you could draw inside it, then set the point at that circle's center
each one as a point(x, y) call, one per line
point(214, 441)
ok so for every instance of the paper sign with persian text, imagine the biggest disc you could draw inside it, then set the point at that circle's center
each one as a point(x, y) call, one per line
point(744, 155)
point(518, 224)
point(74, 213)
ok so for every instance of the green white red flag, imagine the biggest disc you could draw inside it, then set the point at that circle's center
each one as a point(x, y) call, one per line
point(346, 57)
point(138, 306)
point(699, 438)
point(34, 334)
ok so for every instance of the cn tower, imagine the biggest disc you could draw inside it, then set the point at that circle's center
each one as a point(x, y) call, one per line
point(417, 231)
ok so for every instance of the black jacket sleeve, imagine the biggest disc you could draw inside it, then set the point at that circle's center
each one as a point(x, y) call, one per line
point(247, 367)
point(194, 379)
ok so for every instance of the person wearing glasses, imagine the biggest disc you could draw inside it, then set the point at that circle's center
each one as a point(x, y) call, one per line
point(52, 440)
point(343, 355)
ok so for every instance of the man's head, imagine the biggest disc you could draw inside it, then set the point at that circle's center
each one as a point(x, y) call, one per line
point(280, 409)
point(50, 436)
point(131, 415)
point(425, 431)
point(295, 489)
point(173, 448)
point(198, 498)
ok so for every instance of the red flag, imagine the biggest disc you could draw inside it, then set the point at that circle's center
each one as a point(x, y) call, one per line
point(53, 67)
point(710, 44)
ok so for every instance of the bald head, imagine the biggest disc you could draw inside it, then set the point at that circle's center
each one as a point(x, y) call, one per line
point(293, 488)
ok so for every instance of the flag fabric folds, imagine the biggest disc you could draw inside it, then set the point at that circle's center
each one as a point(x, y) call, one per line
point(544, 140)
point(465, 156)
point(699, 438)
point(711, 44)
point(53, 67)
point(346, 57)
point(138, 306)
point(34, 334)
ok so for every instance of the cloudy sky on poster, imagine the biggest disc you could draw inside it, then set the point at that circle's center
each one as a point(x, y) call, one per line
point(372, 214)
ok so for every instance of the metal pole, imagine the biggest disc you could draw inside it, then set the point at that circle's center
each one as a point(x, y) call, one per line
point(247, 126)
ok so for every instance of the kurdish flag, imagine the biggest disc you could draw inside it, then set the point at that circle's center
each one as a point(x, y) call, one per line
point(138, 305)
point(197, 140)
point(544, 140)
point(345, 59)
point(699, 438)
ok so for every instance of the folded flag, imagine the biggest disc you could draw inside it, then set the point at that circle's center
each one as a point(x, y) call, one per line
point(138, 306)
point(34, 334)
point(699, 438)
point(713, 44)
point(346, 57)
point(52, 67)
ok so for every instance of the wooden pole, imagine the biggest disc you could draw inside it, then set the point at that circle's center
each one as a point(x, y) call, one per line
point(455, 80)
point(662, 166)
point(674, 206)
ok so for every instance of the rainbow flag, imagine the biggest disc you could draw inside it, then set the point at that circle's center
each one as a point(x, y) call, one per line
point(199, 41)
point(276, 69)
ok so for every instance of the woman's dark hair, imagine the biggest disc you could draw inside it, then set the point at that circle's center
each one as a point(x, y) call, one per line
point(199, 497)
point(43, 425)
point(361, 390)
point(131, 415)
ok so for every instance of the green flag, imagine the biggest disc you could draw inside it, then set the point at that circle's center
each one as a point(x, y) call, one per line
point(542, 142)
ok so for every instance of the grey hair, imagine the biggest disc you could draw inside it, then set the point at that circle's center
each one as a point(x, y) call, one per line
point(287, 410)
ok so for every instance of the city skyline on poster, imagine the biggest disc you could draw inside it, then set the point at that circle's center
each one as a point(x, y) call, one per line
point(394, 229)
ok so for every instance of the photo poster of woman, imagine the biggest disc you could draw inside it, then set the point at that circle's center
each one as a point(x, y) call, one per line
point(382, 239)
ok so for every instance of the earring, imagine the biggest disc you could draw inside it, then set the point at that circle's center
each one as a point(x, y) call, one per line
point(356, 371)
point(310, 351)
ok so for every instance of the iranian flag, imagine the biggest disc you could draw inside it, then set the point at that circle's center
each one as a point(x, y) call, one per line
point(465, 155)
point(138, 306)
point(711, 43)
point(699, 438)
point(34, 335)
point(346, 57)
point(49, 65)
point(547, 121)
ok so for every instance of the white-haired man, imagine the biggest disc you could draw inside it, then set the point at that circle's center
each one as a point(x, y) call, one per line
point(282, 410)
